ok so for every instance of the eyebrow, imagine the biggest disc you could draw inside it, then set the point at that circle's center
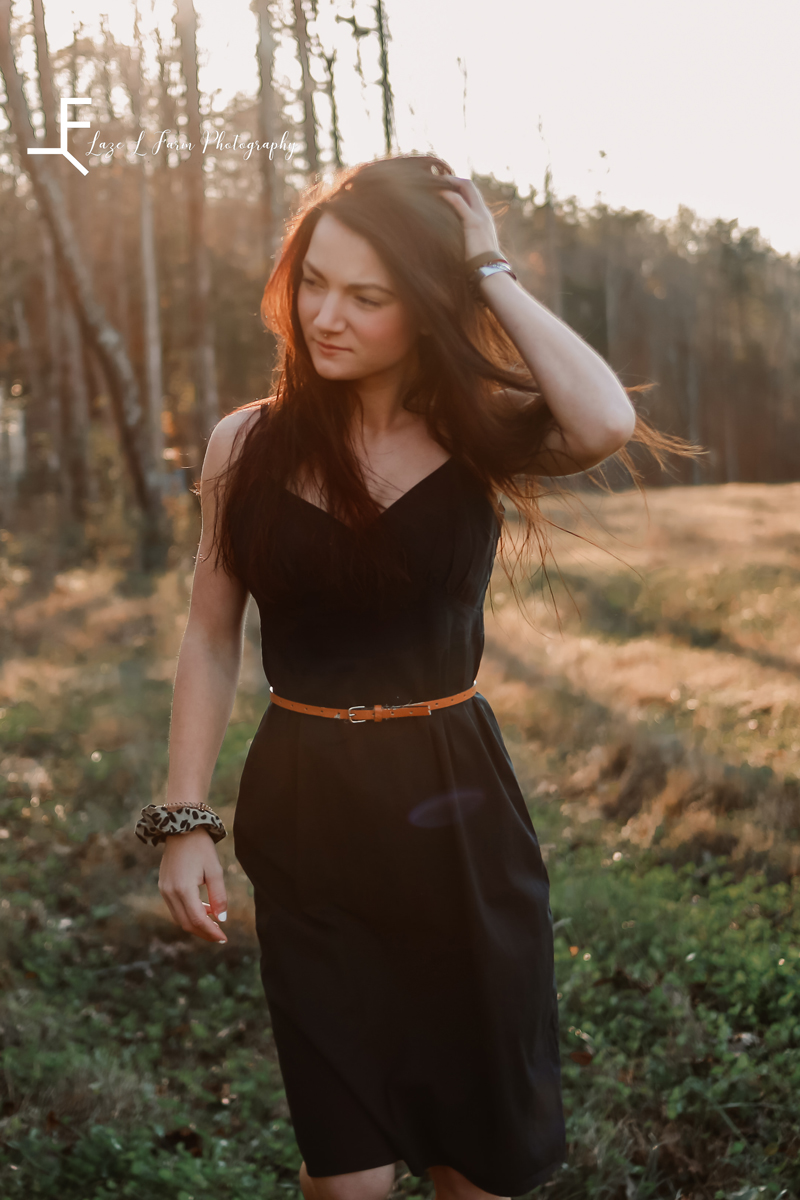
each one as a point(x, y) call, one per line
point(351, 287)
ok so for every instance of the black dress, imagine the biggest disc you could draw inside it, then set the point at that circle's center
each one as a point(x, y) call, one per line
point(402, 904)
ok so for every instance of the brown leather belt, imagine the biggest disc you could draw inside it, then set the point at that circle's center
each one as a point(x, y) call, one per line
point(421, 708)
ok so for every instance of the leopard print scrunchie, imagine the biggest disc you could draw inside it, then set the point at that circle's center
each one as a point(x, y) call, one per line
point(157, 822)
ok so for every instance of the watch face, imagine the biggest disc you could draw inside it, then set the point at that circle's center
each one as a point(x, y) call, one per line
point(490, 269)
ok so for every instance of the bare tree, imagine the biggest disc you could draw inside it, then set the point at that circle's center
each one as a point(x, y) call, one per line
point(43, 69)
point(612, 287)
point(12, 453)
point(151, 308)
point(693, 430)
point(202, 331)
point(552, 249)
point(382, 31)
point(75, 415)
point(35, 412)
point(309, 119)
point(69, 416)
point(336, 137)
point(101, 334)
point(53, 303)
point(56, 296)
point(272, 201)
point(119, 190)
point(167, 109)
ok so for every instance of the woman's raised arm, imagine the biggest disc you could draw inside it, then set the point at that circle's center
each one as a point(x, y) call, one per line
point(205, 688)
point(594, 416)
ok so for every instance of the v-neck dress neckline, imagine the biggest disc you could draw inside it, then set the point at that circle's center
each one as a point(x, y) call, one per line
point(409, 491)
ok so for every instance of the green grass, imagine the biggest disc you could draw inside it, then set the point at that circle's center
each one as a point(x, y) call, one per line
point(684, 987)
point(154, 1081)
point(137, 1065)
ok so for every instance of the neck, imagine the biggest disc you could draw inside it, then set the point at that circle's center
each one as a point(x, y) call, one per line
point(381, 399)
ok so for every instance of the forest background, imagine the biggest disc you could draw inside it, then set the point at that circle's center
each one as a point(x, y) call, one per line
point(654, 725)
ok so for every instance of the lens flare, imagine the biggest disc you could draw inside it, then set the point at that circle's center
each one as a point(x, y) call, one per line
point(446, 809)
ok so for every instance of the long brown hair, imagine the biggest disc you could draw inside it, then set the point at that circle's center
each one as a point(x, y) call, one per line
point(465, 360)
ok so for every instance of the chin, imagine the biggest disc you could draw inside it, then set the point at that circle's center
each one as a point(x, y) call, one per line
point(329, 370)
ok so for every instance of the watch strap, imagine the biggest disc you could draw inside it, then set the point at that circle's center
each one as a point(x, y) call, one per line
point(482, 259)
point(480, 273)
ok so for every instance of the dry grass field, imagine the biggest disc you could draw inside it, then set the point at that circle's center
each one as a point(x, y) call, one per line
point(658, 688)
point(659, 683)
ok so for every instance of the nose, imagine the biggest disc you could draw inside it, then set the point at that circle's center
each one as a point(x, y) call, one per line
point(329, 319)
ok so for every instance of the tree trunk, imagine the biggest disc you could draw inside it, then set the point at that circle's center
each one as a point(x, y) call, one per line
point(612, 285)
point(37, 432)
point(167, 112)
point(731, 409)
point(553, 260)
point(75, 415)
point(52, 307)
point(309, 120)
point(386, 88)
point(151, 308)
point(693, 389)
point(12, 453)
point(208, 413)
point(101, 334)
point(729, 443)
point(118, 187)
point(271, 183)
point(336, 138)
point(51, 381)
point(152, 319)
point(45, 73)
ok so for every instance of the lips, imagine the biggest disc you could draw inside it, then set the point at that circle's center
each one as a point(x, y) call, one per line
point(329, 346)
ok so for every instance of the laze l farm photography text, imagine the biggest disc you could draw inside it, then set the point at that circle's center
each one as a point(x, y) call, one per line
point(167, 140)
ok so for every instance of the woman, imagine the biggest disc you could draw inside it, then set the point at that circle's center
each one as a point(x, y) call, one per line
point(402, 904)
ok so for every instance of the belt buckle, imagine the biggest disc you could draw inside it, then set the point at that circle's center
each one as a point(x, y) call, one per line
point(353, 708)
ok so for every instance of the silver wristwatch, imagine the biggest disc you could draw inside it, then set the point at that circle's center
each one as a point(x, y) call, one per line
point(481, 273)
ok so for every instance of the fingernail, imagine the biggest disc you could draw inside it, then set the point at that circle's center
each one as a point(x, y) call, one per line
point(223, 916)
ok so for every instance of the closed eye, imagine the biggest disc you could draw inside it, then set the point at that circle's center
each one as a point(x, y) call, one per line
point(371, 303)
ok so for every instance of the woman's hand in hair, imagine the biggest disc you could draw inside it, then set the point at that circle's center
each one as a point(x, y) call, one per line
point(189, 861)
point(480, 234)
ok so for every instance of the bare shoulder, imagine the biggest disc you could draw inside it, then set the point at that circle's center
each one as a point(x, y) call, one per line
point(228, 435)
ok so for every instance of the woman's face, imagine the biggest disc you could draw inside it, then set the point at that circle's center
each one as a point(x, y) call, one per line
point(346, 300)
